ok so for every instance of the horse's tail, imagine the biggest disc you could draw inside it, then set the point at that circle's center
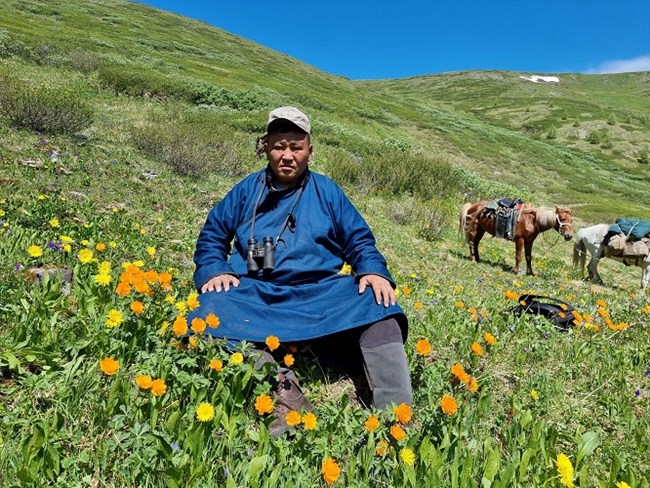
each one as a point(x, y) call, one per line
point(579, 254)
point(463, 227)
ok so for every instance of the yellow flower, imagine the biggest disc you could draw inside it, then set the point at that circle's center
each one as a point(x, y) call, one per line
point(289, 360)
point(181, 306)
point(109, 366)
point(372, 423)
point(67, 248)
point(104, 267)
point(85, 242)
point(85, 256)
point(448, 405)
point(331, 471)
point(114, 318)
point(397, 432)
point(403, 413)
point(477, 349)
point(103, 279)
point(66, 239)
point(489, 338)
point(158, 387)
point(41, 197)
point(293, 418)
point(565, 470)
point(423, 347)
point(472, 385)
point(309, 421)
point(151, 251)
point(193, 301)
point(272, 342)
point(54, 222)
point(144, 381)
point(534, 395)
point(622, 484)
point(193, 341)
point(263, 404)
point(35, 251)
point(216, 364)
point(237, 358)
point(113, 244)
point(204, 412)
point(407, 456)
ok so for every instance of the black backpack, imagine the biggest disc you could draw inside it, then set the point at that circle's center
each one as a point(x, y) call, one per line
point(559, 312)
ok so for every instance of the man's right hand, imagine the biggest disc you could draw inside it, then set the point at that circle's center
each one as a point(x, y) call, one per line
point(220, 282)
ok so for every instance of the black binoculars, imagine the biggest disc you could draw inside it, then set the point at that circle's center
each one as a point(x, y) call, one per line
point(260, 255)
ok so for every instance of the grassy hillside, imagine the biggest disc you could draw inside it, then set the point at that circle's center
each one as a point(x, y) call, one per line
point(120, 127)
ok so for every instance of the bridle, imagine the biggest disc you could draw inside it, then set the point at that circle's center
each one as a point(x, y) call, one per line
point(561, 224)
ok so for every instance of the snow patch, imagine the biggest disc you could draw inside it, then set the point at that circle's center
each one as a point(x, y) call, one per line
point(537, 79)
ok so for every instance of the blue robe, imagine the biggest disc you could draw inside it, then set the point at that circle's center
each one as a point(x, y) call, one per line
point(305, 296)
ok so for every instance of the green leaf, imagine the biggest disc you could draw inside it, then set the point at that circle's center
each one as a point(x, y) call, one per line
point(172, 421)
point(255, 469)
point(589, 441)
point(491, 467)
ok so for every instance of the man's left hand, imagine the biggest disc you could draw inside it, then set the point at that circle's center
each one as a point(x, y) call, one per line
point(381, 287)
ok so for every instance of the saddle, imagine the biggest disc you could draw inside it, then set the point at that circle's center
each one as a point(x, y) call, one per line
point(557, 311)
point(506, 215)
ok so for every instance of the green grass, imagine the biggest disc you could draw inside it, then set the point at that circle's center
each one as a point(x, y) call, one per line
point(408, 152)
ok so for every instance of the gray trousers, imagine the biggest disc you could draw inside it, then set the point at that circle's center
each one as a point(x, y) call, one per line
point(376, 349)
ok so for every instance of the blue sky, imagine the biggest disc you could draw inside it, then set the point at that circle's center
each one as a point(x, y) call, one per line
point(394, 39)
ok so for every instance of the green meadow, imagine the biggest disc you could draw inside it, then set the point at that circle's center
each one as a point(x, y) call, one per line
point(122, 125)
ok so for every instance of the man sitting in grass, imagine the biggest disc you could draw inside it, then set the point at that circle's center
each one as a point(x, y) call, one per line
point(269, 260)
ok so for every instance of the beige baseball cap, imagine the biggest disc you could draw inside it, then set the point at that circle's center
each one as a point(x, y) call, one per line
point(291, 114)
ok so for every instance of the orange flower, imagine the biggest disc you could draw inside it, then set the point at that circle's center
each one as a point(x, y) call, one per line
point(293, 418)
point(331, 471)
point(448, 404)
point(216, 364)
point(458, 371)
point(151, 276)
point(263, 404)
point(472, 385)
point(382, 448)
point(511, 295)
point(418, 305)
point(423, 347)
point(142, 287)
point(477, 349)
point(603, 313)
point(109, 366)
point(272, 342)
point(372, 423)
point(289, 360)
point(403, 413)
point(123, 289)
point(143, 381)
point(212, 320)
point(180, 326)
point(158, 387)
point(490, 339)
point(100, 246)
point(397, 432)
point(459, 304)
point(137, 307)
point(309, 421)
point(165, 277)
point(406, 290)
point(198, 325)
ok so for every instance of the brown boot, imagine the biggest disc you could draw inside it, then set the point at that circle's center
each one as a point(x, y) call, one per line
point(288, 396)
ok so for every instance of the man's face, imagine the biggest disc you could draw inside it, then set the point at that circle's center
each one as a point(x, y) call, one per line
point(288, 154)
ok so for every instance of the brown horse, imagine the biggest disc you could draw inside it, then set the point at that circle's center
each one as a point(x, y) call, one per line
point(475, 221)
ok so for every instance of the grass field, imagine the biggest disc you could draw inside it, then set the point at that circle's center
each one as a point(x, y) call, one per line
point(121, 126)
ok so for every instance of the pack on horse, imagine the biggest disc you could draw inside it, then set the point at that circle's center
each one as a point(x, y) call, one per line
point(592, 240)
point(478, 218)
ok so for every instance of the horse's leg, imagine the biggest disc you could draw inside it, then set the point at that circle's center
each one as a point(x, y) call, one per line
point(478, 234)
point(519, 246)
point(528, 248)
point(645, 278)
point(592, 267)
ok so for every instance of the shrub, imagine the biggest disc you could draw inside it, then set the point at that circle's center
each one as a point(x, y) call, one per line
point(10, 47)
point(135, 82)
point(84, 61)
point(38, 107)
point(194, 145)
point(203, 93)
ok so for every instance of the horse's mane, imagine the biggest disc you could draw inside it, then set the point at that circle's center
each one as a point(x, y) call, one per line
point(545, 217)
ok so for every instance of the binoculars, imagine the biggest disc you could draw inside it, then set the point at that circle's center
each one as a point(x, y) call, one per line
point(260, 255)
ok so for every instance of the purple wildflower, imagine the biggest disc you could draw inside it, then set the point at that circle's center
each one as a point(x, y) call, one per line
point(18, 267)
point(56, 246)
point(546, 335)
point(647, 373)
point(637, 393)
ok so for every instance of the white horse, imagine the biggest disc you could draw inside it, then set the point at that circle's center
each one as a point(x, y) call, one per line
point(590, 239)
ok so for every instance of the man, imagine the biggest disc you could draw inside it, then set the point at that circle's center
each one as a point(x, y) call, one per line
point(293, 231)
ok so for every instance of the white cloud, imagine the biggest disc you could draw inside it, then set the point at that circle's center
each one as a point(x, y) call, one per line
point(642, 63)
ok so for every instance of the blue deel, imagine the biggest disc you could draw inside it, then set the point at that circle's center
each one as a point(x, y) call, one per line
point(305, 296)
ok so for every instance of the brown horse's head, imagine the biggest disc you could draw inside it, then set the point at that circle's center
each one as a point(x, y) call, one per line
point(564, 222)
